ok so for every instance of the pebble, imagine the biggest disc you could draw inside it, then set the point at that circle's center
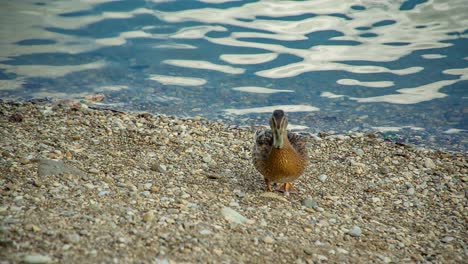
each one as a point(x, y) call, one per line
point(148, 216)
point(384, 170)
point(207, 159)
point(233, 216)
point(268, 240)
point(18, 200)
point(145, 193)
point(206, 232)
point(94, 171)
point(355, 231)
point(309, 202)
point(447, 239)
point(429, 163)
point(341, 137)
point(359, 152)
point(342, 251)
point(89, 186)
point(322, 178)
point(49, 167)
point(410, 191)
point(239, 193)
point(162, 261)
point(132, 188)
point(73, 238)
point(161, 168)
point(309, 250)
point(103, 193)
point(384, 259)
point(66, 247)
point(36, 259)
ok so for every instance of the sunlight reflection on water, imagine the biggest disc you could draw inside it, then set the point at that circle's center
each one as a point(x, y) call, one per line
point(360, 61)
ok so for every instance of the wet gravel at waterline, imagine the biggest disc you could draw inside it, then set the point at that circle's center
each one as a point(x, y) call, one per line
point(82, 185)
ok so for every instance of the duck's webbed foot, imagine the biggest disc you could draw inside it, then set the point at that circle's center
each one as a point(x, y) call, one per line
point(286, 188)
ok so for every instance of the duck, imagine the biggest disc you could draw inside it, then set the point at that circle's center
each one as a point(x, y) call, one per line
point(279, 155)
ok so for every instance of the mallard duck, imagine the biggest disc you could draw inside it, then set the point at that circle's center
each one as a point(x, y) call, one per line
point(279, 155)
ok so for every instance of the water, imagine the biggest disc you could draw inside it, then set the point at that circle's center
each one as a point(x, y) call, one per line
point(398, 67)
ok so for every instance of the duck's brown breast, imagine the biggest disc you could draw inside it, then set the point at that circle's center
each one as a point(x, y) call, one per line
point(284, 165)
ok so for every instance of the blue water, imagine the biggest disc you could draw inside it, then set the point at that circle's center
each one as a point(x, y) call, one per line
point(399, 68)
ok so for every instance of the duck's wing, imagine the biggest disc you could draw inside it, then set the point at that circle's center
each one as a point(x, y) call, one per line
point(299, 143)
point(263, 142)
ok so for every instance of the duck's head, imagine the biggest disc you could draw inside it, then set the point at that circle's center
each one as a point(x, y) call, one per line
point(278, 124)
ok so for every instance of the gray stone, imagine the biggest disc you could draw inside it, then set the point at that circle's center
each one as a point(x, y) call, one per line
point(36, 259)
point(233, 216)
point(342, 251)
point(322, 178)
point(428, 163)
point(207, 158)
point(355, 231)
point(49, 167)
point(385, 259)
point(206, 232)
point(268, 240)
point(447, 239)
point(359, 152)
point(73, 238)
point(145, 194)
point(162, 261)
point(162, 168)
point(309, 202)
point(103, 193)
point(94, 171)
point(384, 170)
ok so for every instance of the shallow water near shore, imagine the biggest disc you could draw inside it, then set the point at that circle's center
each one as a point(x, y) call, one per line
point(398, 67)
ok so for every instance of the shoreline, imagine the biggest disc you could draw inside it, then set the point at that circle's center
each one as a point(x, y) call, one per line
point(86, 185)
point(449, 140)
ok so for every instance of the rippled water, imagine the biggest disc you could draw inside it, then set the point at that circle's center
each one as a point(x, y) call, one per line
point(399, 67)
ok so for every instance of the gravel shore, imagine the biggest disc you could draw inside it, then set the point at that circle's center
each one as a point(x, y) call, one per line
point(94, 186)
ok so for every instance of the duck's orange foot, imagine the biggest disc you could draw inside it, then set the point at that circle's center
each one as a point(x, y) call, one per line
point(286, 188)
